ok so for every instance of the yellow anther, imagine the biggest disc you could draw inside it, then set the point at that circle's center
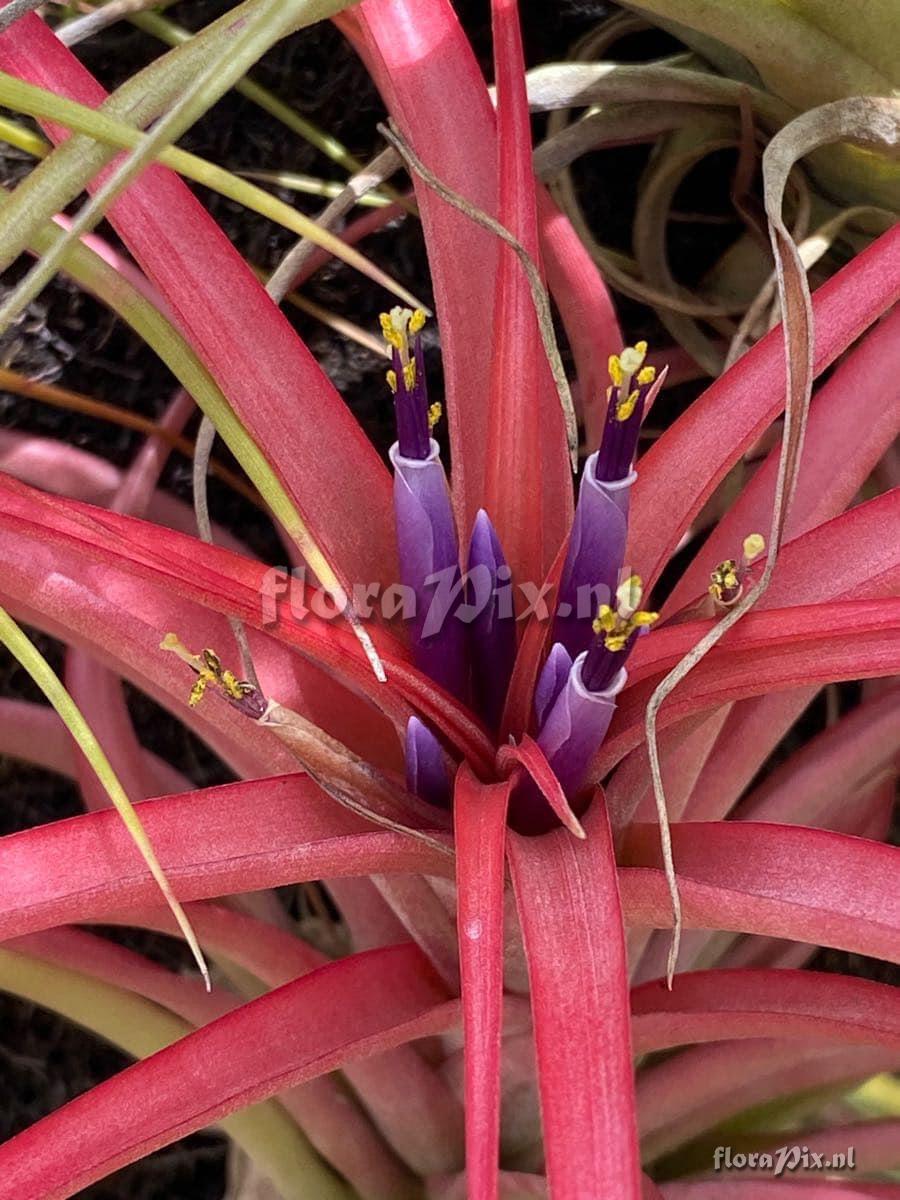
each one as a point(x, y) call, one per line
point(646, 375)
point(209, 671)
point(727, 579)
point(725, 582)
point(618, 625)
point(409, 375)
point(626, 407)
point(392, 335)
point(435, 412)
point(392, 381)
point(605, 620)
point(615, 370)
point(398, 325)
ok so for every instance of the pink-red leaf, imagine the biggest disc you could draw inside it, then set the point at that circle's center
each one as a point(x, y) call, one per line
point(809, 885)
point(838, 454)
point(768, 652)
point(479, 819)
point(241, 837)
point(568, 905)
point(709, 1006)
point(270, 378)
point(678, 474)
point(526, 430)
point(344, 1011)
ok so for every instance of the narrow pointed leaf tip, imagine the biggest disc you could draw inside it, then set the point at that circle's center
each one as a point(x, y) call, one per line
point(21, 647)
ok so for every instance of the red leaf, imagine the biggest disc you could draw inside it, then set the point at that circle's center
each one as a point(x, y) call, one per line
point(710, 1006)
point(227, 583)
point(244, 837)
point(341, 1012)
point(838, 454)
point(752, 729)
point(831, 766)
point(270, 378)
point(679, 472)
point(586, 310)
point(695, 1090)
point(528, 485)
point(568, 906)
point(529, 755)
point(768, 651)
point(479, 818)
point(808, 885)
point(418, 56)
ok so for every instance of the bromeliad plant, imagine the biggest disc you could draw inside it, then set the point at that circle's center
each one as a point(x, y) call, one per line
point(443, 775)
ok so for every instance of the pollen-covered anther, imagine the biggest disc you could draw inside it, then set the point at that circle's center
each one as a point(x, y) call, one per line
point(398, 325)
point(617, 625)
point(626, 407)
point(727, 579)
point(435, 412)
point(209, 670)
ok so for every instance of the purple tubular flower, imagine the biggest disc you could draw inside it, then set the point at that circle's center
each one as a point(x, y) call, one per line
point(617, 630)
point(595, 555)
point(551, 681)
point(406, 378)
point(634, 386)
point(575, 726)
point(429, 567)
point(493, 627)
point(426, 770)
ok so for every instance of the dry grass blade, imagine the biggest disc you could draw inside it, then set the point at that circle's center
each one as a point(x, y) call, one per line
point(866, 121)
point(538, 292)
point(381, 168)
point(811, 249)
point(81, 28)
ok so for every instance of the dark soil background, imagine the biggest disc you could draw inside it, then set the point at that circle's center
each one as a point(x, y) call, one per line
point(69, 338)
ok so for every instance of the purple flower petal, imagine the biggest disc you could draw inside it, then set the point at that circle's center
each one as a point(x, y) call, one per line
point(429, 567)
point(595, 556)
point(551, 681)
point(576, 725)
point(493, 626)
point(426, 768)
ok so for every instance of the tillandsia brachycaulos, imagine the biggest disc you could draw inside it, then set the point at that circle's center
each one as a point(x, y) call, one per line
point(483, 1008)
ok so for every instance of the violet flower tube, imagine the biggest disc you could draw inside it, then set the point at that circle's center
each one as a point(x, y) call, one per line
point(575, 724)
point(492, 620)
point(426, 532)
point(426, 769)
point(596, 549)
point(551, 681)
